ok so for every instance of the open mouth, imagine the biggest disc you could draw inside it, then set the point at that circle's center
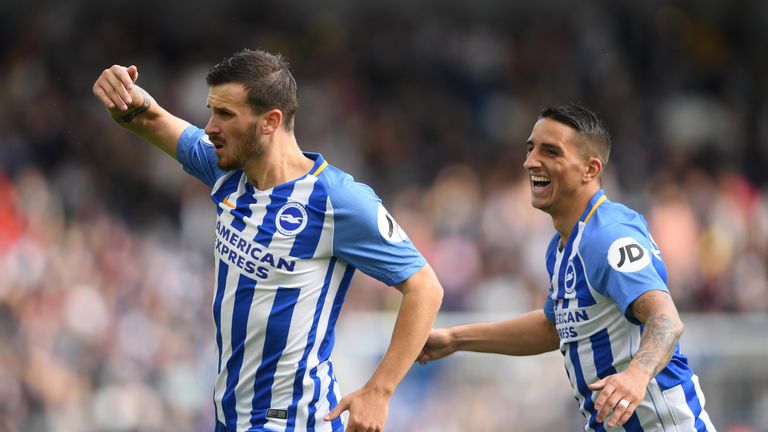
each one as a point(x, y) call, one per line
point(540, 182)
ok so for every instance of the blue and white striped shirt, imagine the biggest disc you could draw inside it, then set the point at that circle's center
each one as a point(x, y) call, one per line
point(610, 259)
point(284, 258)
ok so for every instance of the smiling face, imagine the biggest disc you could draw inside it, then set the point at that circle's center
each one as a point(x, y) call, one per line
point(233, 126)
point(563, 173)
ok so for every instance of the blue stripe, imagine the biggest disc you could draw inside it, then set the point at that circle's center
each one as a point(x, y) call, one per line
point(312, 411)
point(326, 346)
point(603, 357)
point(221, 285)
point(582, 288)
point(227, 187)
point(306, 241)
point(242, 210)
point(675, 373)
point(581, 385)
point(601, 351)
point(332, 402)
point(242, 308)
point(298, 381)
point(694, 404)
point(324, 352)
point(278, 326)
point(278, 197)
point(564, 266)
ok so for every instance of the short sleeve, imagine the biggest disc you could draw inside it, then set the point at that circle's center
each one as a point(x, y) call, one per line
point(196, 155)
point(623, 264)
point(367, 237)
point(549, 308)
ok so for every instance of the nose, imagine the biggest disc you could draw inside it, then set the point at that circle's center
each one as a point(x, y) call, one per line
point(211, 128)
point(531, 161)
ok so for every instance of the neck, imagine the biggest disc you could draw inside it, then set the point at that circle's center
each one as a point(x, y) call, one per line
point(566, 219)
point(281, 162)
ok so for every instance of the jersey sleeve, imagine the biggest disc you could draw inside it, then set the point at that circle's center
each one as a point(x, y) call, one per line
point(367, 237)
point(623, 263)
point(196, 155)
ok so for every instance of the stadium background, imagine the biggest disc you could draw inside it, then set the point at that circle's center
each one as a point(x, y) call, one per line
point(105, 269)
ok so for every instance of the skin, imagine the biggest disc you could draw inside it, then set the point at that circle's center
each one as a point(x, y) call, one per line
point(265, 149)
point(558, 153)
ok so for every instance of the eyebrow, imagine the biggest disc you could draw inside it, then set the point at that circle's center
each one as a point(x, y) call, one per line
point(545, 145)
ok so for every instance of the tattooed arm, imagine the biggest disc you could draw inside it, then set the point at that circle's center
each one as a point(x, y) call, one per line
point(661, 331)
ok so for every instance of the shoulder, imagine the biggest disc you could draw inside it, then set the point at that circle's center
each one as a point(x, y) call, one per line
point(611, 222)
point(614, 232)
point(344, 191)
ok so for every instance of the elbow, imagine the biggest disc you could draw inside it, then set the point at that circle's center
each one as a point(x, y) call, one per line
point(679, 329)
point(437, 294)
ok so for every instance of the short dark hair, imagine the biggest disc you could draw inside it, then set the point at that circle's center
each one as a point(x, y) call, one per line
point(267, 80)
point(586, 123)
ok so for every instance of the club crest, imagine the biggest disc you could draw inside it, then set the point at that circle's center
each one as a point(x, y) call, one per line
point(291, 219)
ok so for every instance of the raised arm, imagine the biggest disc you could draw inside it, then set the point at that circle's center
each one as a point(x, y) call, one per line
point(661, 331)
point(528, 334)
point(422, 295)
point(134, 109)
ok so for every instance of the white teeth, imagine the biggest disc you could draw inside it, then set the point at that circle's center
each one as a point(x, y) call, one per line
point(540, 178)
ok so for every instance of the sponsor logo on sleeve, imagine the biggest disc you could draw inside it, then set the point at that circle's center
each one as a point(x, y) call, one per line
point(627, 255)
point(291, 219)
point(388, 228)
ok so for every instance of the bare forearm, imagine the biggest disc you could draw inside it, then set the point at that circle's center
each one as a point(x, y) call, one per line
point(657, 344)
point(528, 334)
point(662, 329)
point(414, 320)
point(134, 109)
point(156, 125)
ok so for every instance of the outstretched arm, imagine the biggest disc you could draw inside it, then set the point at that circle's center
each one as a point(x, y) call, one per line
point(368, 406)
point(134, 109)
point(529, 334)
point(661, 331)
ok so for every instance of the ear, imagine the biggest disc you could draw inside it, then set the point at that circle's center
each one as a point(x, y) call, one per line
point(593, 169)
point(271, 121)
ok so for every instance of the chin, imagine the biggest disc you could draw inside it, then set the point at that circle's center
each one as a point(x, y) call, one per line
point(540, 205)
point(223, 164)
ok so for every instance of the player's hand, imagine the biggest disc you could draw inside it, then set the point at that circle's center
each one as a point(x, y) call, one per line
point(116, 90)
point(628, 385)
point(439, 344)
point(368, 410)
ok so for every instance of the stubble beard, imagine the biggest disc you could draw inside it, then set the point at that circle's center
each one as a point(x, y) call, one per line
point(248, 149)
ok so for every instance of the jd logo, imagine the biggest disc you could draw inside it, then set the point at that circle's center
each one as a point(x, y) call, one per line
point(388, 228)
point(627, 255)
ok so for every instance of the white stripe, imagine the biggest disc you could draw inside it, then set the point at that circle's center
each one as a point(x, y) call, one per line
point(225, 328)
point(324, 248)
point(254, 346)
point(659, 407)
point(313, 359)
point(220, 355)
point(704, 416)
point(556, 274)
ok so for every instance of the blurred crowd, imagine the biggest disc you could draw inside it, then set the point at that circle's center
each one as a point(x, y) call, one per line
point(105, 245)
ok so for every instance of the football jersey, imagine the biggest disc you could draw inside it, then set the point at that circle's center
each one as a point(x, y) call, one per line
point(609, 260)
point(284, 258)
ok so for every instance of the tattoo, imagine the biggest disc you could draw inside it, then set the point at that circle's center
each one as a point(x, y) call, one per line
point(657, 343)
